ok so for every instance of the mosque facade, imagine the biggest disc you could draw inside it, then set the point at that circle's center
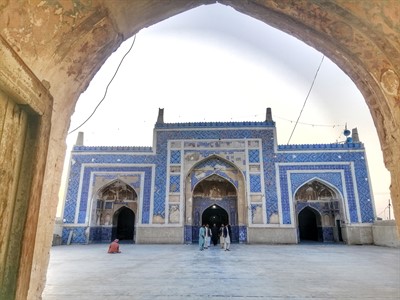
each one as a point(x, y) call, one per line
point(219, 173)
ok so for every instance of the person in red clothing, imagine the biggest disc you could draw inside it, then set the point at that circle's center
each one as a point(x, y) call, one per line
point(114, 247)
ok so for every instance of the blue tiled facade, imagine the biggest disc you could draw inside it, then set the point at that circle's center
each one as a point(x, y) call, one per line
point(234, 151)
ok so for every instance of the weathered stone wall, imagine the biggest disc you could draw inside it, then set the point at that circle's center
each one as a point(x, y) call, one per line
point(357, 234)
point(385, 234)
point(267, 235)
point(159, 235)
point(56, 38)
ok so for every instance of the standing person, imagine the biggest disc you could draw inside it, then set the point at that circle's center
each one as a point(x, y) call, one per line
point(221, 236)
point(208, 237)
point(202, 233)
point(214, 236)
point(114, 247)
point(227, 237)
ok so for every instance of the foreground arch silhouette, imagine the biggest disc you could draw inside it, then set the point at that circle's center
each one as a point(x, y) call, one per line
point(45, 66)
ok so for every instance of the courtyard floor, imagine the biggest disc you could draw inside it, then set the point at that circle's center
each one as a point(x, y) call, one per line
point(177, 272)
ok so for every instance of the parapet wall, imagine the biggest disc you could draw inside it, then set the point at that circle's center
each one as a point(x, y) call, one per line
point(385, 233)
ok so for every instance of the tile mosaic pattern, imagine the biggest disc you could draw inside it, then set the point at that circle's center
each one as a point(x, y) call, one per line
point(283, 173)
point(75, 183)
point(174, 183)
point(327, 234)
point(208, 125)
point(175, 157)
point(242, 234)
point(255, 183)
point(254, 156)
point(362, 183)
point(321, 147)
point(117, 149)
point(78, 235)
point(100, 234)
point(261, 130)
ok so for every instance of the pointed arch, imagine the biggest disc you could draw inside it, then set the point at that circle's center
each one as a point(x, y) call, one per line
point(322, 182)
point(118, 182)
point(215, 191)
point(313, 209)
point(109, 198)
point(215, 162)
point(317, 201)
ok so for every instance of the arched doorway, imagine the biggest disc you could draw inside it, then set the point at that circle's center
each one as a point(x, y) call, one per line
point(215, 215)
point(309, 225)
point(124, 224)
point(114, 203)
point(327, 203)
point(215, 200)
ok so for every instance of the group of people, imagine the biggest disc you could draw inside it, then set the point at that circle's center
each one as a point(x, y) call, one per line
point(222, 234)
point(206, 235)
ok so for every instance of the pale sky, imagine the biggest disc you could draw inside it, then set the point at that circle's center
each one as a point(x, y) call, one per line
point(215, 64)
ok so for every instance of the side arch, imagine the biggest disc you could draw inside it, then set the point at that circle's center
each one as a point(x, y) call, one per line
point(326, 203)
point(99, 201)
point(106, 203)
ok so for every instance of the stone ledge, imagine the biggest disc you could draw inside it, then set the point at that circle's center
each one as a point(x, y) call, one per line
point(385, 234)
point(271, 235)
point(159, 235)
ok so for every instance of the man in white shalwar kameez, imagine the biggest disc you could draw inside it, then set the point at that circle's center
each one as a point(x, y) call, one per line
point(208, 237)
point(227, 238)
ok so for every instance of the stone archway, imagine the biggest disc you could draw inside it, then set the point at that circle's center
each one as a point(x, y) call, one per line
point(50, 42)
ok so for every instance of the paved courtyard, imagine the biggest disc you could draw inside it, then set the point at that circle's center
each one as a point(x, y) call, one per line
point(177, 272)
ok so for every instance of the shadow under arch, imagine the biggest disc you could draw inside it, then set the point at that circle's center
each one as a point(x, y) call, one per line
point(215, 214)
point(309, 225)
point(123, 224)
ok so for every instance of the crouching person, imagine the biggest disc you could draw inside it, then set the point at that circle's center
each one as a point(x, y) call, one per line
point(114, 247)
